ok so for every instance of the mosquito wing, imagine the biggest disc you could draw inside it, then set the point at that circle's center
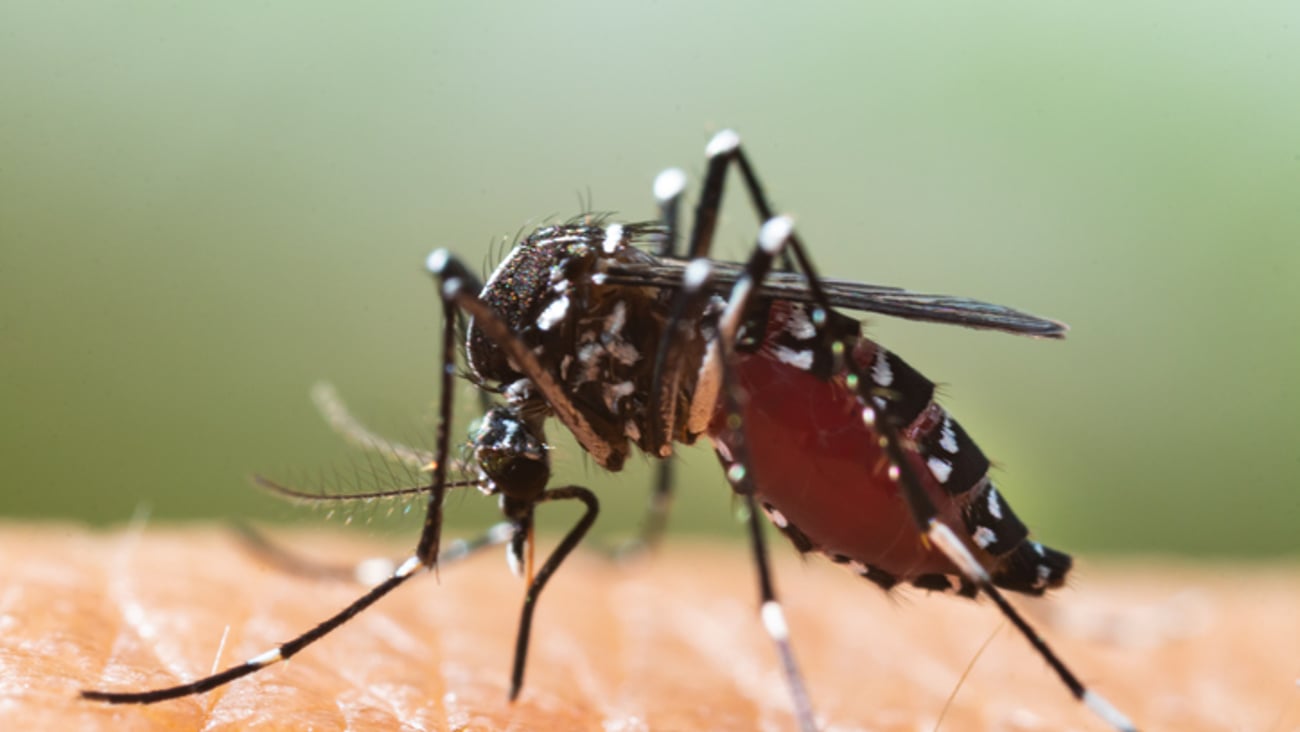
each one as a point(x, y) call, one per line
point(895, 301)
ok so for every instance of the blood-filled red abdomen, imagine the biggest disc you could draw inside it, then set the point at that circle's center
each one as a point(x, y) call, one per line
point(820, 470)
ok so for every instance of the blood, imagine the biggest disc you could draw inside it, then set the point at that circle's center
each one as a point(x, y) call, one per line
point(816, 462)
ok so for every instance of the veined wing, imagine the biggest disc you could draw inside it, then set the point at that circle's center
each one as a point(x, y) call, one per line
point(894, 301)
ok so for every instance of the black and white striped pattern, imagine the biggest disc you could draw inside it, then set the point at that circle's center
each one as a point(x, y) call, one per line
point(1033, 569)
point(951, 456)
point(992, 525)
point(955, 462)
point(910, 392)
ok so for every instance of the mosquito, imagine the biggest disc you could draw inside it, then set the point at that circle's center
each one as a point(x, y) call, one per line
point(630, 344)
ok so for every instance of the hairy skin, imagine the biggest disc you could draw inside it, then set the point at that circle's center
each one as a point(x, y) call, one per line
point(669, 642)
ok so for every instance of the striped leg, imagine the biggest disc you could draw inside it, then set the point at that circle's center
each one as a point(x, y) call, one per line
point(275, 655)
point(771, 239)
point(942, 536)
point(514, 458)
point(425, 557)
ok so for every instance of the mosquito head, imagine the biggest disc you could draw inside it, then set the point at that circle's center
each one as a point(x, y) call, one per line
point(512, 457)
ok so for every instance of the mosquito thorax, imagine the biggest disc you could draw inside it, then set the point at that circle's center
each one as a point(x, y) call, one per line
point(544, 281)
point(597, 339)
point(514, 290)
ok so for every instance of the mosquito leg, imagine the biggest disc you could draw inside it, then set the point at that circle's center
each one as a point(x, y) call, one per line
point(772, 613)
point(720, 152)
point(553, 562)
point(484, 398)
point(771, 239)
point(290, 562)
point(668, 188)
point(426, 556)
point(431, 534)
point(723, 150)
point(939, 534)
point(261, 661)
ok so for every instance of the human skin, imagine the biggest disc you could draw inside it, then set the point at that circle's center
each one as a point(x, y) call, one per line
point(671, 641)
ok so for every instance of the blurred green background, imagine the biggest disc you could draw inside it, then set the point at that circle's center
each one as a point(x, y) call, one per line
point(204, 209)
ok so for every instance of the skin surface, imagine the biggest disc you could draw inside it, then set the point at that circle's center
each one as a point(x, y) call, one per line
point(671, 642)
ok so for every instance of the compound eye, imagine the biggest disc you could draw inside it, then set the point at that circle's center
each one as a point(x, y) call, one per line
point(486, 359)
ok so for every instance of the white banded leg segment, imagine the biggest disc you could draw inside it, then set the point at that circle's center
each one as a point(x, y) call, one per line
point(256, 663)
point(668, 189)
point(775, 233)
point(265, 659)
point(1107, 711)
point(408, 567)
point(374, 570)
point(941, 536)
point(697, 274)
point(774, 621)
point(724, 142)
point(669, 185)
point(437, 261)
point(777, 629)
point(946, 540)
